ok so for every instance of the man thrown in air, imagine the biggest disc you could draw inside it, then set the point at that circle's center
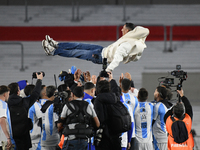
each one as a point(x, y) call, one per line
point(127, 48)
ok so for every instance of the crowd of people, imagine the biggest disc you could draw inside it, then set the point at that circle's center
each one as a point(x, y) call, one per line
point(74, 116)
point(94, 113)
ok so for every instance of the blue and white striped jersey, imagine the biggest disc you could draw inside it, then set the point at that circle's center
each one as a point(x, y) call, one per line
point(88, 99)
point(143, 122)
point(49, 136)
point(159, 128)
point(132, 101)
point(124, 135)
point(4, 112)
point(42, 101)
point(35, 113)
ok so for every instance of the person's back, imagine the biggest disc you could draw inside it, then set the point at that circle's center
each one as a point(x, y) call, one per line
point(35, 114)
point(127, 136)
point(49, 136)
point(130, 99)
point(76, 119)
point(160, 108)
point(178, 124)
point(105, 97)
point(19, 104)
point(143, 122)
point(89, 91)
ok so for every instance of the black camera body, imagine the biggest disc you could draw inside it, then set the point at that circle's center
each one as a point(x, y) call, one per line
point(103, 73)
point(59, 101)
point(168, 81)
point(34, 76)
point(98, 137)
point(178, 73)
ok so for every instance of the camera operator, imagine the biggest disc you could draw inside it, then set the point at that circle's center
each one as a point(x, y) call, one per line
point(76, 116)
point(179, 122)
point(49, 137)
point(22, 138)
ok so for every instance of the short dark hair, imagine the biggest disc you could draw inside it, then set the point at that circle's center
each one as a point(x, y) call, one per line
point(78, 91)
point(62, 87)
point(50, 90)
point(178, 110)
point(142, 94)
point(103, 87)
point(129, 26)
point(162, 92)
point(13, 88)
point(126, 84)
point(89, 85)
point(28, 89)
point(3, 89)
point(169, 92)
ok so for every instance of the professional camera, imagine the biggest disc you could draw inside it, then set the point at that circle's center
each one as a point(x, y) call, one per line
point(104, 73)
point(60, 101)
point(98, 137)
point(34, 76)
point(169, 82)
point(178, 73)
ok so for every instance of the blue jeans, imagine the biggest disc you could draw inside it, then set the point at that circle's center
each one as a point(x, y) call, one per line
point(81, 51)
point(77, 144)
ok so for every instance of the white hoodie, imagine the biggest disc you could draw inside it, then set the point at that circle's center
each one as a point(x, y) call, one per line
point(128, 48)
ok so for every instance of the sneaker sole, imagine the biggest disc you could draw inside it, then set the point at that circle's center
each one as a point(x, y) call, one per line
point(48, 38)
point(45, 48)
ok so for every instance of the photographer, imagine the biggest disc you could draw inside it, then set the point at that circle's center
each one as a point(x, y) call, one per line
point(178, 124)
point(49, 137)
point(18, 105)
point(76, 116)
point(108, 92)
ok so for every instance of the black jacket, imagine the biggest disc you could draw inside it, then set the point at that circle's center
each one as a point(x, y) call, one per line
point(106, 98)
point(188, 109)
point(166, 103)
point(24, 143)
point(27, 101)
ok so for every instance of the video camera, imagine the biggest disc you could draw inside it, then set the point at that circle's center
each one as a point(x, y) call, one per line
point(59, 101)
point(103, 73)
point(178, 73)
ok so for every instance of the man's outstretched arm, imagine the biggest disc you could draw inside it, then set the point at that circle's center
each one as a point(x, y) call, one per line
point(119, 55)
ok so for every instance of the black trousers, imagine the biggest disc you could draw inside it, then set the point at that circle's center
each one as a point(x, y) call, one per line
point(109, 143)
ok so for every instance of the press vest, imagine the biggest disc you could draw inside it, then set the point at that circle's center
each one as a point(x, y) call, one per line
point(189, 143)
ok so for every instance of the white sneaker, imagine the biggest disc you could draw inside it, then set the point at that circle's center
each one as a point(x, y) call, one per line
point(48, 49)
point(51, 41)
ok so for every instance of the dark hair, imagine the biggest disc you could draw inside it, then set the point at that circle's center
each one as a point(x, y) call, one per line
point(162, 92)
point(130, 26)
point(126, 84)
point(169, 92)
point(13, 88)
point(28, 89)
point(178, 110)
point(50, 90)
point(62, 87)
point(78, 91)
point(103, 87)
point(142, 94)
point(3, 89)
point(89, 85)
point(42, 87)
